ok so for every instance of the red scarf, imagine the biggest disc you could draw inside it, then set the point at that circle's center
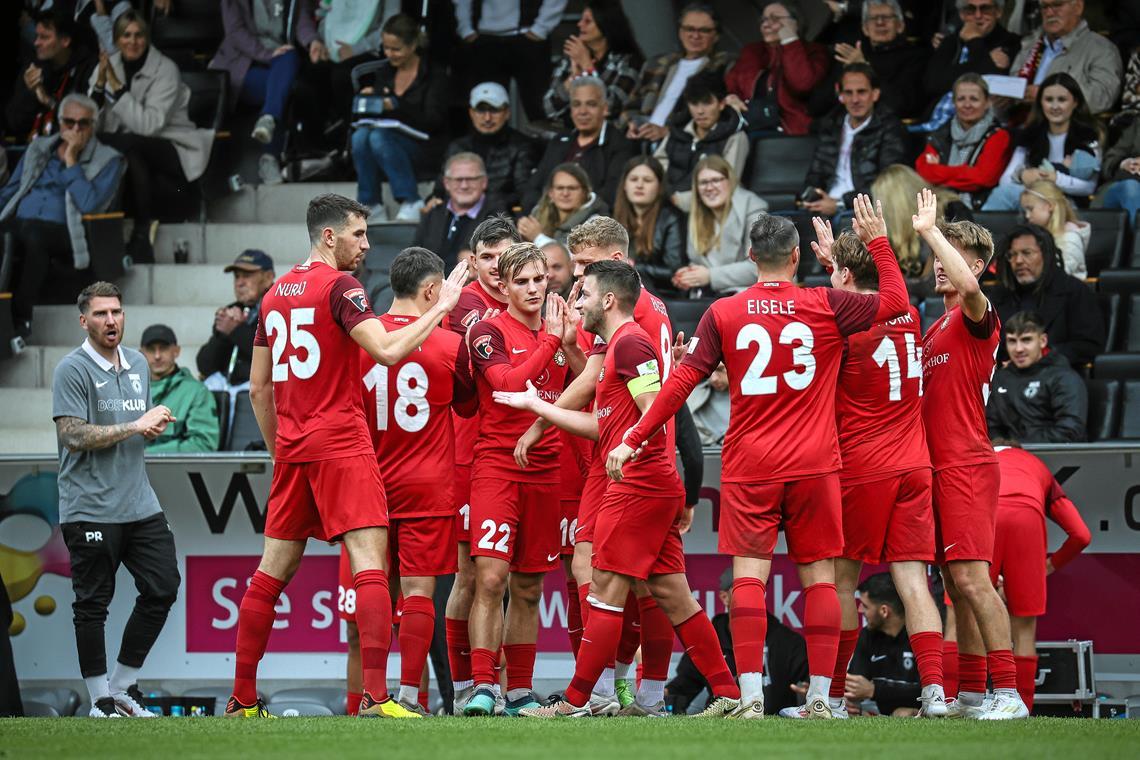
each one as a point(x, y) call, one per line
point(1029, 68)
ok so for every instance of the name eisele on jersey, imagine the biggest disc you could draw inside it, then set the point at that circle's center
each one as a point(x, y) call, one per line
point(290, 289)
point(771, 307)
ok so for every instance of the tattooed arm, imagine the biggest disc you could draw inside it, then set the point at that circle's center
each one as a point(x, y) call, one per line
point(80, 435)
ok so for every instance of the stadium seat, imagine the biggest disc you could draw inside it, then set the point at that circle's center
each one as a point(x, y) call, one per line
point(295, 709)
point(1109, 304)
point(778, 168)
point(190, 33)
point(816, 281)
point(34, 709)
point(1106, 245)
point(1104, 409)
point(245, 435)
point(932, 309)
point(1121, 287)
point(685, 313)
point(999, 223)
point(64, 701)
point(222, 404)
point(333, 698)
point(1130, 411)
point(398, 235)
point(387, 240)
point(1117, 366)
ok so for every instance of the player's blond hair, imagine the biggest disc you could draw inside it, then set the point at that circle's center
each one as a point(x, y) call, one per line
point(512, 260)
point(970, 237)
point(851, 253)
point(599, 232)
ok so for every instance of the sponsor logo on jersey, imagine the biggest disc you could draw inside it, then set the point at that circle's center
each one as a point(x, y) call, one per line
point(121, 405)
point(1032, 388)
point(136, 382)
point(471, 318)
point(693, 344)
point(648, 368)
point(357, 298)
point(560, 358)
point(544, 378)
point(482, 346)
point(604, 412)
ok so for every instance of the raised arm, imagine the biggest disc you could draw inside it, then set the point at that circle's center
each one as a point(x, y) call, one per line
point(973, 301)
point(387, 348)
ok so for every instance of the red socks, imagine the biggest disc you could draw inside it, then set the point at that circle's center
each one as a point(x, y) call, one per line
point(599, 642)
point(458, 649)
point(255, 622)
point(353, 706)
point(630, 630)
point(484, 663)
point(374, 621)
point(1026, 678)
point(950, 667)
point(971, 673)
point(847, 641)
point(520, 665)
point(417, 625)
point(927, 648)
point(1003, 672)
point(821, 628)
point(573, 615)
point(656, 640)
point(698, 637)
point(748, 624)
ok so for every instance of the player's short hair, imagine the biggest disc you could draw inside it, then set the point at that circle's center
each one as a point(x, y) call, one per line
point(881, 589)
point(1024, 322)
point(599, 232)
point(773, 239)
point(518, 256)
point(331, 210)
point(410, 268)
point(970, 237)
point(493, 230)
point(619, 278)
point(851, 252)
point(99, 289)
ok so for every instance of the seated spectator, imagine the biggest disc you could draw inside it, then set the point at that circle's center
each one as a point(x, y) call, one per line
point(1130, 95)
point(1031, 277)
point(969, 153)
point(708, 404)
point(508, 154)
point(855, 144)
point(1065, 43)
point(598, 147)
point(604, 48)
point(1060, 143)
point(559, 268)
point(1045, 205)
point(1036, 397)
point(413, 93)
point(567, 202)
point(446, 228)
point(94, 22)
point(144, 115)
point(225, 358)
point(1122, 171)
point(60, 69)
point(712, 129)
point(719, 223)
point(58, 180)
point(656, 228)
point(260, 55)
point(656, 102)
point(195, 426)
point(896, 188)
point(883, 669)
point(772, 80)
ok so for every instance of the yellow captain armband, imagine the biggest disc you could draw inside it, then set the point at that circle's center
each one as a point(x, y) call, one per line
point(648, 379)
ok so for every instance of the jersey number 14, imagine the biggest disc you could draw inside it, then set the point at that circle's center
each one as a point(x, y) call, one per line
point(887, 354)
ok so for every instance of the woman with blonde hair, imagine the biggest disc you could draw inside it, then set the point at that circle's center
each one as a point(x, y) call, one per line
point(1043, 203)
point(896, 187)
point(567, 202)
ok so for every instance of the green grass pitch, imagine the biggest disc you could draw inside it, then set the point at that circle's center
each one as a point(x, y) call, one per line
point(630, 738)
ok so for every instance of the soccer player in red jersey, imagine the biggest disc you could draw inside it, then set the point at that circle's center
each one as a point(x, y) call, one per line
point(326, 483)
point(782, 346)
point(514, 511)
point(1029, 493)
point(885, 479)
point(636, 531)
point(957, 364)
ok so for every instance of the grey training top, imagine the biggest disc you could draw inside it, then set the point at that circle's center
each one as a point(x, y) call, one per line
point(108, 485)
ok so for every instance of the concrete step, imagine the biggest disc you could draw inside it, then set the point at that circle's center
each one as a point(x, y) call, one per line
point(177, 285)
point(35, 366)
point(38, 440)
point(28, 408)
point(59, 325)
point(277, 203)
point(220, 243)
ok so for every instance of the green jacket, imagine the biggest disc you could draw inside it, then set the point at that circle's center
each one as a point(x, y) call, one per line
point(193, 406)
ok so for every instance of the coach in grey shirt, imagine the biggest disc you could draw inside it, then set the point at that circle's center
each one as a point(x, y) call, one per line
point(108, 512)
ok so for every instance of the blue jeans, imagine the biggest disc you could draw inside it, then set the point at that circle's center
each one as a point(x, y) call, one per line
point(378, 154)
point(1004, 198)
point(268, 87)
point(1124, 194)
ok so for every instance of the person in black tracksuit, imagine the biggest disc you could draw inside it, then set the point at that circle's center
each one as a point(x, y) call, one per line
point(883, 667)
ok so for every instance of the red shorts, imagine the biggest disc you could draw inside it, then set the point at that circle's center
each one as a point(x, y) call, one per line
point(810, 512)
point(422, 546)
point(568, 525)
point(965, 512)
point(639, 536)
point(1019, 558)
point(325, 499)
point(889, 520)
point(592, 494)
point(462, 497)
point(516, 522)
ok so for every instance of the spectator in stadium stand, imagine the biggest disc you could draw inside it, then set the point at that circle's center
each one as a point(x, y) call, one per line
point(656, 228)
point(225, 358)
point(599, 147)
point(855, 144)
point(1031, 277)
point(604, 47)
point(195, 425)
point(1122, 172)
point(559, 269)
point(1130, 95)
point(414, 93)
point(721, 216)
point(883, 668)
point(1065, 43)
point(1029, 493)
point(260, 53)
point(969, 153)
point(568, 201)
point(785, 661)
point(94, 22)
point(508, 154)
point(60, 69)
point(1061, 143)
point(1037, 397)
point(144, 115)
point(58, 179)
point(772, 80)
point(1043, 204)
point(712, 128)
point(446, 228)
point(708, 404)
point(656, 102)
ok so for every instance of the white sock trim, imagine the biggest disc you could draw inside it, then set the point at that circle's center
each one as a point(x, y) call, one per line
point(819, 686)
point(602, 605)
point(623, 670)
point(97, 687)
point(650, 693)
point(751, 687)
point(409, 695)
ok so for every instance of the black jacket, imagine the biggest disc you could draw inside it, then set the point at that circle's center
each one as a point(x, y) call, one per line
point(879, 144)
point(217, 352)
point(670, 243)
point(683, 149)
point(23, 106)
point(943, 67)
point(1045, 403)
point(1072, 316)
point(509, 157)
point(446, 235)
point(602, 163)
point(423, 106)
point(900, 66)
point(889, 663)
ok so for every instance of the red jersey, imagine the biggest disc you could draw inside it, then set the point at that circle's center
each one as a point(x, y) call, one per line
point(472, 305)
point(879, 406)
point(408, 406)
point(631, 360)
point(506, 353)
point(1026, 483)
point(957, 366)
point(306, 317)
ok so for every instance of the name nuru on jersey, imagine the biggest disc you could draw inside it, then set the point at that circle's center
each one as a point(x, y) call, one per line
point(771, 307)
point(290, 289)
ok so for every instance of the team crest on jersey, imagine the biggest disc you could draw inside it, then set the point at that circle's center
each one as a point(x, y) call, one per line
point(560, 358)
point(482, 346)
point(471, 318)
point(136, 382)
point(1032, 388)
point(357, 298)
point(544, 378)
